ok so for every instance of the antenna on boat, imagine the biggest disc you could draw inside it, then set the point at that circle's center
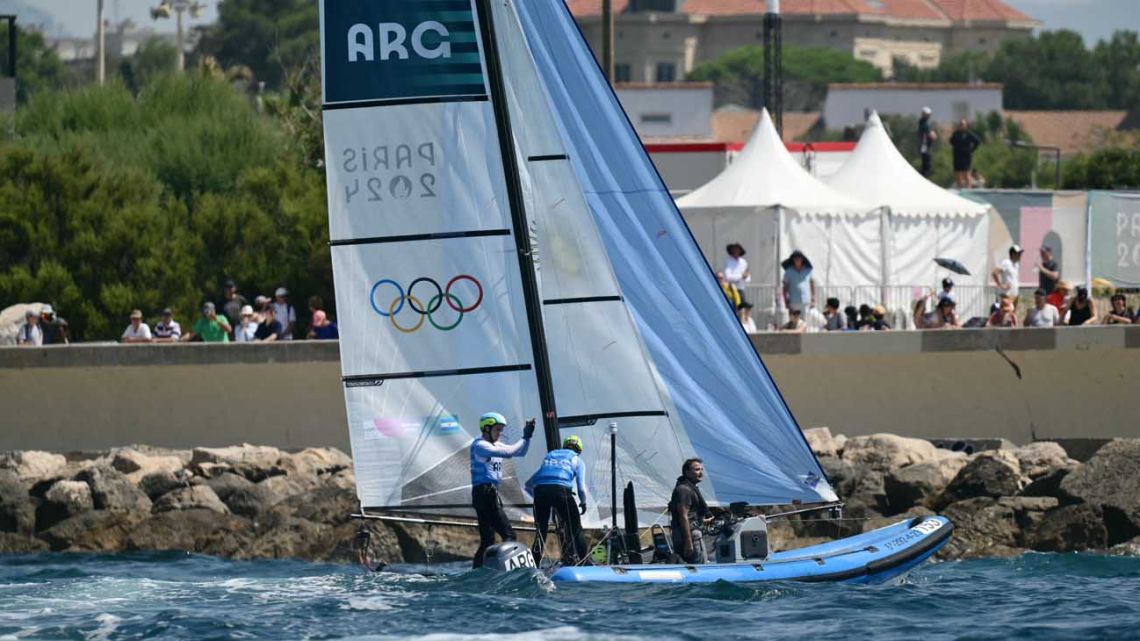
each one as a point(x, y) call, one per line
point(613, 474)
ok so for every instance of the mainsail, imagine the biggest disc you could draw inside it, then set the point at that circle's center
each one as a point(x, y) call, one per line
point(469, 280)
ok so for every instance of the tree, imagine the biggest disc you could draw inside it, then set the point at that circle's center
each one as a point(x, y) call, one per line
point(1052, 71)
point(38, 68)
point(110, 201)
point(268, 36)
point(155, 57)
point(1119, 61)
point(739, 75)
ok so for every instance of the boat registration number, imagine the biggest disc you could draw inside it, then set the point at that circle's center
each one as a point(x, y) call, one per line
point(917, 532)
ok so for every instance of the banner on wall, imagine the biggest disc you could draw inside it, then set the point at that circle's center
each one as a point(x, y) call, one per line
point(1115, 241)
point(1037, 218)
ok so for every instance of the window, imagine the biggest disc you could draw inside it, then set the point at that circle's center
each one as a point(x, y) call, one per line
point(652, 5)
point(666, 72)
point(656, 119)
point(622, 72)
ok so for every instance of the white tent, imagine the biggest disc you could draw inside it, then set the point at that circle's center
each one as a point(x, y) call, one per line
point(925, 220)
point(769, 204)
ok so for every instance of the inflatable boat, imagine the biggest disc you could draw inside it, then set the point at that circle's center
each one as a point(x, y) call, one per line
point(871, 557)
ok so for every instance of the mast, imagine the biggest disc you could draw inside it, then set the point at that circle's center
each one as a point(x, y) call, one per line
point(519, 227)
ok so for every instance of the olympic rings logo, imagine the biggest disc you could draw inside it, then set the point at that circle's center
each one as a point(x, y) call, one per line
point(443, 295)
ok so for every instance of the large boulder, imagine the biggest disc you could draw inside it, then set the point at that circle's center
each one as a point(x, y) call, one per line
point(201, 531)
point(315, 462)
point(1049, 484)
point(195, 497)
point(63, 500)
point(156, 484)
point(95, 531)
point(12, 543)
point(1039, 458)
point(112, 490)
point(987, 474)
point(32, 465)
point(1070, 528)
point(254, 500)
point(17, 512)
point(822, 442)
point(255, 462)
point(885, 452)
point(920, 484)
point(137, 464)
point(982, 527)
point(226, 484)
point(1111, 480)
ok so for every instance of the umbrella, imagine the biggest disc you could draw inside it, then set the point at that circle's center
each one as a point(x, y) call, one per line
point(952, 265)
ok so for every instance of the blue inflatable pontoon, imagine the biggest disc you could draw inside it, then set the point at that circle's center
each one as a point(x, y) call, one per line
point(871, 557)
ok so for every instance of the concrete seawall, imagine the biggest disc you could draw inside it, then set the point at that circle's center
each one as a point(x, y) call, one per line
point(1015, 384)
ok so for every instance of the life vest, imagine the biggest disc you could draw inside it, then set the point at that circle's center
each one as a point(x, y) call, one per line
point(557, 469)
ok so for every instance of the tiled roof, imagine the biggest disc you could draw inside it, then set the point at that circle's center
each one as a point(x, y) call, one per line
point(735, 125)
point(958, 10)
point(663, 85)
point(980, 11)
point(1072, 131)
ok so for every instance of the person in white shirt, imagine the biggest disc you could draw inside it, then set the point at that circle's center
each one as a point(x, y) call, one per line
point(745, 312)
point(1005, 275)
point(137, 331)
point(1042, 314)
point(735, 267)
point(246, 327)
point(30, 334)
point(285, 313)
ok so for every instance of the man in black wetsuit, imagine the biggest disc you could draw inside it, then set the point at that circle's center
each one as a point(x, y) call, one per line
point(687, 510)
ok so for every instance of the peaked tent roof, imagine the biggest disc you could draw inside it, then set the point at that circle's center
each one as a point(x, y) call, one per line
point(766, 175)
point(877, 174)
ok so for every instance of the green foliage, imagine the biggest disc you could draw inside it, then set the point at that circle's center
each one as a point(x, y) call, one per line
point(739, 75)
point(155, 57)
point(1051, 71)
point(268, 36)
point(110, 202)
point(38, 68)
point(1112, 168)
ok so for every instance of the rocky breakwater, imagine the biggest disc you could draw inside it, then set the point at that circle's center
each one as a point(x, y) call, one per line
point(261, 502)
point(1002, 501)
point(242, 502)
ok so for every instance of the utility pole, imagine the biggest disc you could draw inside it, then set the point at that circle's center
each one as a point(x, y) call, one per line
point(178, 8)
point(100, 45)
point(608, 39)
point(774, 65)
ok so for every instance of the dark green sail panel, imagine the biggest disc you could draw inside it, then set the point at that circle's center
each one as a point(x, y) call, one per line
point(401, 50)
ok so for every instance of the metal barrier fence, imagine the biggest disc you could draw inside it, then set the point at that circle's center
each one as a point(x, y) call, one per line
point(770, 313)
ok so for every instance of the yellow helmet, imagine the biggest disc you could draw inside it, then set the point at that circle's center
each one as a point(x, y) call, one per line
point(572, 443)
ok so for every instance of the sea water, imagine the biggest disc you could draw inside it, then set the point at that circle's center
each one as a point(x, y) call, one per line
point(180, 596)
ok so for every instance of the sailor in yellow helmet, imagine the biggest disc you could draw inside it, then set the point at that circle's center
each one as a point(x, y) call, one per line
point(487, 454)
point(551, 487)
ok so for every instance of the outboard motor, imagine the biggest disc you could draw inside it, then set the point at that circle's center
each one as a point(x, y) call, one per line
point(744, 540)
point(508, 555)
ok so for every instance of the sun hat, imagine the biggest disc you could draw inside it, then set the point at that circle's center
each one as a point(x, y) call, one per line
point(281, 291)
point(246, 310)
point(136, 314)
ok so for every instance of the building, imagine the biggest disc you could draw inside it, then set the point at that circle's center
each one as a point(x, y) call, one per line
point(668, 110)
point(848, 105)
point(662, 40)
point(1074, 132)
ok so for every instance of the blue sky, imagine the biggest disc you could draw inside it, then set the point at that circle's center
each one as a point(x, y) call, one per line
point(1094, 19)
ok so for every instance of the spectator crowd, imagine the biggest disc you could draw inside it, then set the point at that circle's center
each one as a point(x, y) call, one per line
point(1055, 301)
point(231, 319)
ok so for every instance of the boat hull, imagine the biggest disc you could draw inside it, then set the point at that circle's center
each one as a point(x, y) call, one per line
point(872, 557)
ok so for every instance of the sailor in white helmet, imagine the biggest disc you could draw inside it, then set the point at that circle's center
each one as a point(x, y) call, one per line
point(487, 455)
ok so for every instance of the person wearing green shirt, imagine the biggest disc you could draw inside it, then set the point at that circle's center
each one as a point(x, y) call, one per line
point(211, 327)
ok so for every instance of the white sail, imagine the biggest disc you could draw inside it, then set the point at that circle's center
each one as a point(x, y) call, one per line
point(601, 373)
point(433, 327)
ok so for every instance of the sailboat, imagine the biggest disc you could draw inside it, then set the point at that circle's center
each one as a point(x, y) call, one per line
point(501, 242)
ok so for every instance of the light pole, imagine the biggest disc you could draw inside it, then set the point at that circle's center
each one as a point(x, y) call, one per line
point(100, 44)
point(177, 7)
point(774, 65)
